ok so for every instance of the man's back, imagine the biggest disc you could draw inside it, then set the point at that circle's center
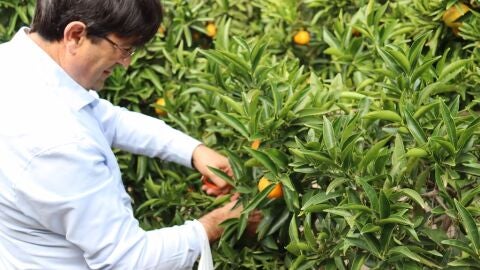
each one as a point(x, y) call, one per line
point(33, 120)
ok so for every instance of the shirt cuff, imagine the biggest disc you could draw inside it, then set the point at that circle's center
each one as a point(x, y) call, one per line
point(184, 153)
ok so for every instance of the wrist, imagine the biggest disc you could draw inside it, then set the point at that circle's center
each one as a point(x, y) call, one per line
point(210, 223)
point(195, 154)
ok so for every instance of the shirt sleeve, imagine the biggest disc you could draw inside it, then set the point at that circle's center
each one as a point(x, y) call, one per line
point(141, 134)
point(70, 190)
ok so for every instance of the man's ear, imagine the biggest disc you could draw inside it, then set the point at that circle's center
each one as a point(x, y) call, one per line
point(74, 36)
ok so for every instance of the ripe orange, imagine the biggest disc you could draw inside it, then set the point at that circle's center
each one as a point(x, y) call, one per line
point(277, 191)
point(160, 111)
point(451, 15)
point(356, 32)
point(207, 182)
point(255, 144)
point(161, 30)
point(211, 29)
point(196, 36)
point(302, 37)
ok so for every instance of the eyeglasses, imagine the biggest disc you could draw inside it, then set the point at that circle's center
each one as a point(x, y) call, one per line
point(126, 52)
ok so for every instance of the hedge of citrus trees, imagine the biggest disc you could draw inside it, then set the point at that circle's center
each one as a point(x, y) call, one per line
point(360, 116)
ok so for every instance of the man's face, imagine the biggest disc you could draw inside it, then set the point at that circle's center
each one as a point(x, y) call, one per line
point(96, 60)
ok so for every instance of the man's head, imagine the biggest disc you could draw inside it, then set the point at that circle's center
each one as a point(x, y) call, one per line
point(95, 35)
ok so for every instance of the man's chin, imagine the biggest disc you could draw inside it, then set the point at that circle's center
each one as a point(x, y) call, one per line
point(98, 86)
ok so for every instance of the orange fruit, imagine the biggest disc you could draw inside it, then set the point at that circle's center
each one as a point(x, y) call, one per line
point(277, 191)
point(211, 29)
point(161, 30)
point(196, 36)
point(452, 14)
point(302, 37)
point(355, 32)
point(255, 144)
point(207, 182)
point(160, 111)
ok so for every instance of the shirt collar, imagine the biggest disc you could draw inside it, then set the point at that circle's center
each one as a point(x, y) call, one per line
point(55, 78)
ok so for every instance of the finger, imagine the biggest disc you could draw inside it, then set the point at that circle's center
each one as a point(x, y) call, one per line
point(209, 184)
point(228, 170)
point(235, 196)
point(214, 191)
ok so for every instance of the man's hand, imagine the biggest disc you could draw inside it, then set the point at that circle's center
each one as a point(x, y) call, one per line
point(202, 158)
point(211, 221)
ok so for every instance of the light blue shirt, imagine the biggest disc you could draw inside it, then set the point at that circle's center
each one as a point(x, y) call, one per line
point(62, 201)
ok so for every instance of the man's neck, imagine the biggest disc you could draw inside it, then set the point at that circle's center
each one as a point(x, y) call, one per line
point(51, 48)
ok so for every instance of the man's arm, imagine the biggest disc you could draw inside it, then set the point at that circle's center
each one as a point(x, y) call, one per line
point(145, 135)
point(72, 191)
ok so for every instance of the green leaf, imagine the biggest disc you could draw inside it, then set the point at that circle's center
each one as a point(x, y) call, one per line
point(354, 207)
point(466, 263)
point(297, 247)
point(293, 230)
point(414, 196)
point(445, 144)
point(312, 156)
point(424, 109)
point(259, 198)
point(330, 39)
point(364, 244)
point(398, 157)
point(415, 129)
point(416, 48)
point(329, 136)
point(405, 251)
point(416, 152)
point(319, 198)
point(432, 88)
point(233, 122)
point(384, 115)
point(449, 123)
point(152, 77)
point(236, 163)
point(152, 188)
point(372, 153)
point(371, 194)
point(222, 175)
point(335, 183)
point(142, 163)
point(280, 158)
point(206, 87)
point(308, 232)
point(470, 226)
point(394, 219)
point(370, 228)
point(286, 182)
point(384, 205)
point(451, 70)
point(399, 56)
point(242, 225)
point(232, 104)
point(256, 54)
point(358, 262)
point(418, 71)
point(467, 135)
point(469, 195)
point(391, 61)
point(264, 159)
point(460, 245)
point(339, 212)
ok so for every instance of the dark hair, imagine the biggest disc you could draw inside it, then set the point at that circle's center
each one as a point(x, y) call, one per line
point(136, 19)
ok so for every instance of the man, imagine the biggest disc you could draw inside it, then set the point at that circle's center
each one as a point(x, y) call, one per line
point(62, 201)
